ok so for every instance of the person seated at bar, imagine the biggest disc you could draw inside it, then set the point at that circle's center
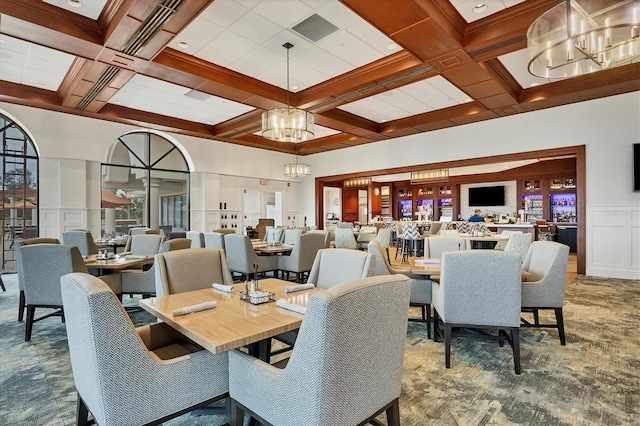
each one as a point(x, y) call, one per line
point(477, 217)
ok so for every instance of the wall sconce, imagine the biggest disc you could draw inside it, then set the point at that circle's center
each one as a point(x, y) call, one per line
point(354, 182)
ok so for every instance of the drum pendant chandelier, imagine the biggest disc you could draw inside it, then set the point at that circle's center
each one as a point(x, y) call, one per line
point(584, 36)
point(287, 124)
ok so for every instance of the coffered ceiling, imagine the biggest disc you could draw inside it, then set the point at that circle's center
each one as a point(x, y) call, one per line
point(369, 69)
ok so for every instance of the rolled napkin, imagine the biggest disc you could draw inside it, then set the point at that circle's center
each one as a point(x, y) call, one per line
point(291, 306)
point(300, 287)
point(223, 287)
point(194, 308)
point(427, 261)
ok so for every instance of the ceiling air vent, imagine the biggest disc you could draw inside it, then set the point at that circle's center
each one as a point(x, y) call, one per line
point(143, 34)
point(315, 28)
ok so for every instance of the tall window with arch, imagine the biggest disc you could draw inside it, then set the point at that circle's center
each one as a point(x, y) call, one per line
point(19, 207)
point(145, 183)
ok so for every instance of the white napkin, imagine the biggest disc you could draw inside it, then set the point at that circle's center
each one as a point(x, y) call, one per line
point(135, 256)
point(300, 287)
point(222, 287)
point(194, 308)
point(291, 306)
point(427, 261)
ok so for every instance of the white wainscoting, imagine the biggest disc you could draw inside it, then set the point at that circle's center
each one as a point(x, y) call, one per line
point(613, 241)
point(49, 224)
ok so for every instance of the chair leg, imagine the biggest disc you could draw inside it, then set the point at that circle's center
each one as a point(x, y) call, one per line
point(536, 317)
point(393, 414)
point(560, 322)
point(515, 338)
point(82, 413)
point(427, 308)
point(388, 256)
point(21, 306)
point(31, 312)
point(447, 345)
point(237, 415)
point(2, 284)
point(436, 330)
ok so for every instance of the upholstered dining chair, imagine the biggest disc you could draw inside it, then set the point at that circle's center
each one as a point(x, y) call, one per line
point(42, 266)
point(434, 228)
point(325, 233)
point(300, 260)
point(345, 368)
point(142, 231)
point(175, 374)
point(383, 237)
point(545, 267)
point(519, 244)
point(345, 239)
point(140, 281)
point(412, 241)
point(197, 239)
point(16, 247)
point(290, 235)
point(143, 244)
point(242, 256)
point(81, 239)
point(500, 245)
point(334, 266)
point(274, 235)
point(435, 246)
point(478, 289)
point(420, 286)
point(214, 240)
point(367, 233)
point(186, 270)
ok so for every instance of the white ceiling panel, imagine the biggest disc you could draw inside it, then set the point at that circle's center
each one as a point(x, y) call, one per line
point(416, 98)
point(26, 63)
point(148, 94)
point(90, 8)
point(263, 26)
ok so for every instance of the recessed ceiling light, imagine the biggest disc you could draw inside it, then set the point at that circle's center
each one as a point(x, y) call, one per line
point(294, 87)
point(468, 100)
point(384, 120)
point(183, 45)
point(2, 40)
point(41, 84)
point(534, 84)
point(74, 3)
point(479, 8)
point(391, 46)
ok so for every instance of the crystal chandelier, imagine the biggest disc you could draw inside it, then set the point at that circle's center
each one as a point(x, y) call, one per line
point(287, 124)
point(583, 36)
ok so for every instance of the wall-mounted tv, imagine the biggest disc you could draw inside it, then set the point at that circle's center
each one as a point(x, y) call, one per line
point(484, 196)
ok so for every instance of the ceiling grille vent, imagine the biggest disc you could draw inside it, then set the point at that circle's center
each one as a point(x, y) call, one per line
point(154, 22)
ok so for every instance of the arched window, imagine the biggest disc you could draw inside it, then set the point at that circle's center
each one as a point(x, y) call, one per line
point(145, 182)
point(19, 207)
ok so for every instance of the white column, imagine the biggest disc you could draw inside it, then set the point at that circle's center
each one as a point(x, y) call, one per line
point(110, 221)
point(153, 189)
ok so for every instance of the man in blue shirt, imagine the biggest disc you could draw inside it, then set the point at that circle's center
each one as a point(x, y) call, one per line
point(477, 217)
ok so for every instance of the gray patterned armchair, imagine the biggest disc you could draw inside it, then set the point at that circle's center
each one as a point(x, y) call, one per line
point(242, 256)
point(300, 261)
point(127, 376)
point(335, 266)
point(546, 267)
point(345, 368)
point(478, 289)
point(81, 239)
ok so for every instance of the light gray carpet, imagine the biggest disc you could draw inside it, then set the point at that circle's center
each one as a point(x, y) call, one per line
point(594, 380)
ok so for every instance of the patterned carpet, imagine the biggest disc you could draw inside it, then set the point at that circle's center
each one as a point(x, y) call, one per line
point(594, 380)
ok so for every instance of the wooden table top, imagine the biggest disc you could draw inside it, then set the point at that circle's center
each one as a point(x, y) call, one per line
point(281, 249)
point(115, 264)
point(232, 323)
point(427, 269)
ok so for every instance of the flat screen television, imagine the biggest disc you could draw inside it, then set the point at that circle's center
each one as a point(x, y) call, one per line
point(485, 196)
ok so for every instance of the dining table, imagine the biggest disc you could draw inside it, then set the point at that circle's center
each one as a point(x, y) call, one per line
point(116, 263)
point(233, 322)
point(425, 266)
point(266, 249)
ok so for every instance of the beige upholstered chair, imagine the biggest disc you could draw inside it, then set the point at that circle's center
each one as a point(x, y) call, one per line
point(274, 234)
point(383, 237)
point(16, 247)
point(143, 231)
point(335, 266)
point(173, 374)
point(290, 235)
point(420, 286)
point(500, 245)
point(140, 281)
point(519, 244)
point(214, 240)
point(197, 239)
point(345, 368)
point(325, 233)
point(186, 270)
point(300, 260)
point(478, 289)
point(546, 267)
point(242, 256)
point(42, 266)
point(434, 228)
point(435, 246)
point(81, 239)
point(144, 244)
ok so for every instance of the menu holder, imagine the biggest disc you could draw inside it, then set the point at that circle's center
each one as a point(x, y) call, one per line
point(258, 297)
